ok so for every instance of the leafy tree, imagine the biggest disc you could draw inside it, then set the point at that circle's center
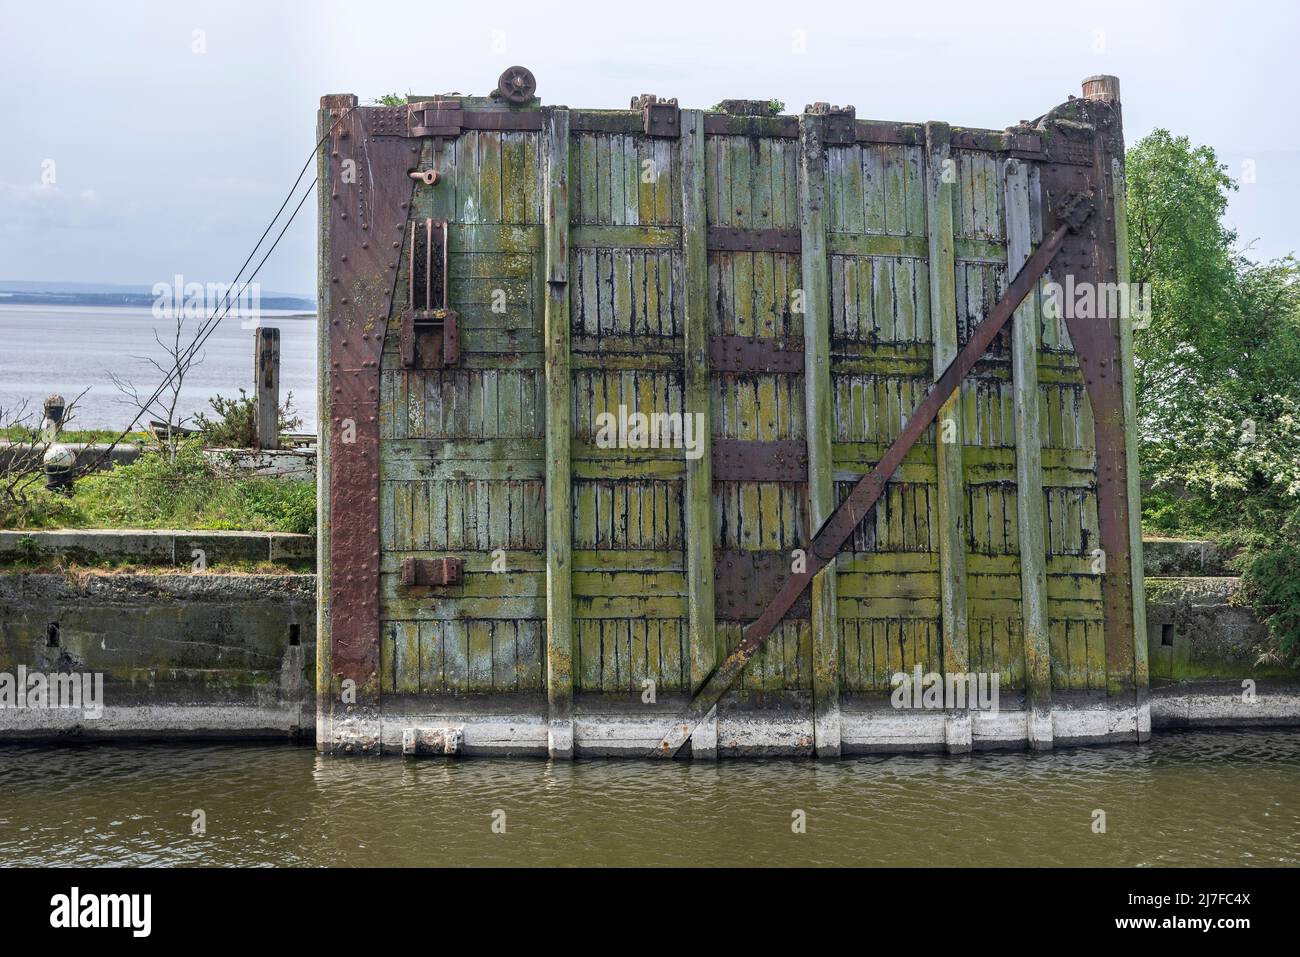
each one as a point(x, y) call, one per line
point(1218, 374)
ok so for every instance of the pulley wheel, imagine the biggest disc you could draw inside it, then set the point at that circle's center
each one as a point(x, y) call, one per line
point(517, 84)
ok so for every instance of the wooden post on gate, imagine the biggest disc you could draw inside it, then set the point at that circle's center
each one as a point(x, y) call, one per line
point(820, 417)
point(941, 183)
point(266, 356)
point(559, 427)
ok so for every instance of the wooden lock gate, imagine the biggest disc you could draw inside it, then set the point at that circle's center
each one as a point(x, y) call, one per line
point(661, 426)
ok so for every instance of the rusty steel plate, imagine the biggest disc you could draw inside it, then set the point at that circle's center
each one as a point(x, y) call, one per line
point(782, 355)
point(370, 195)
point(740, 460)
point(739, 239)
point(744, 582)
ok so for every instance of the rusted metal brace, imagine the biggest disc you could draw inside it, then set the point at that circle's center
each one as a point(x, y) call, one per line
point(839, 526)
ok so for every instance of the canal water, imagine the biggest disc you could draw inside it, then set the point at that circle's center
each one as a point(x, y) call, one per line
point(1189, 799)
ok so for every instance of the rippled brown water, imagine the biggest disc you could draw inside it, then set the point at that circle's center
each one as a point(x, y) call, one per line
point(1205, 798)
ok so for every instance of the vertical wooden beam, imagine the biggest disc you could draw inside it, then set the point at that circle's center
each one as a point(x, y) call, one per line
point(1029, 470)
point(266, 360)
point(1133, 475)
point(941, 188)
point(699, 471)
point(820, 424)
point(559, 485)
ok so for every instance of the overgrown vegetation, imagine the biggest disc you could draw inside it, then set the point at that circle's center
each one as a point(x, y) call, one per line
point(1218, 377)
point(157, 491)
point(233, 422)
point(30, 435)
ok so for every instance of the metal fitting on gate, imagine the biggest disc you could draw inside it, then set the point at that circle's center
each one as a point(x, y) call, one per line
point(430, 338)
point(841, 123)
point(659, 116)
point(429, 177)
point(430, 572)
point(516, 85)
point(1077, 210)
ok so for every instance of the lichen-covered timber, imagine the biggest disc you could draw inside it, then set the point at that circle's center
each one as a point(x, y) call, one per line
point(794, 285)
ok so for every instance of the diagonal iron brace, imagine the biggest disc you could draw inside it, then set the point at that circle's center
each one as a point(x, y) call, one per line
point(839, 526)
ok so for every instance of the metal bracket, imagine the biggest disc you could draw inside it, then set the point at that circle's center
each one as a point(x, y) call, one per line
point(841, 123)
point(1078, 209)
point(435, 118)
point(659, 117)
point(424, 573)
point(430, 339)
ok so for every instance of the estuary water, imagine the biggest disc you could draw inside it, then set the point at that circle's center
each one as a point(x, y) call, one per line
point(66, 349)
point(1188, 799)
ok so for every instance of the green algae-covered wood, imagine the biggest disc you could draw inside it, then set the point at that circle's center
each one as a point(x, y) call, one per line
point(593, 278)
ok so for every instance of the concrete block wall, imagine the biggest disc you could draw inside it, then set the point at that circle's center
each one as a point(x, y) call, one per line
point(157, 546)
point(1208, 655)
point(191, 655)
point(204, 655)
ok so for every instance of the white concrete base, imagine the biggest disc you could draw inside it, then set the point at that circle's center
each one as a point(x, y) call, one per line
point(1223, 706)
point(133, 722)
point(704, 742)
point(559, 738)
point(744, 733)
point(958, 733)
point(735, 732)
point(827, 733)
point(1038, 731)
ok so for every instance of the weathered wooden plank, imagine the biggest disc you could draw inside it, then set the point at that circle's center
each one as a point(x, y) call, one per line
point(940, 195)
point(696, 399)
point(1133, 475)
point(819, 419)
point(559, 507)
point(1029, 473)
point(625, 237)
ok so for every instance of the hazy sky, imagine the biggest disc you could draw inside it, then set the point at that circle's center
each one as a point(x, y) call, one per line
point(166, 160)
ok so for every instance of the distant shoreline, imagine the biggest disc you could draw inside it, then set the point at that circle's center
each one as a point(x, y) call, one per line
point(300, 308)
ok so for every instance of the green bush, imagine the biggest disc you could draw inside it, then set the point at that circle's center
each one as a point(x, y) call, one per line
point(1217, 378)
point(233, 423)
point(157, 491)
point(1271, 585)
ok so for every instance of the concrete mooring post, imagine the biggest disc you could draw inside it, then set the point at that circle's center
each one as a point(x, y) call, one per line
point(266, 356)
